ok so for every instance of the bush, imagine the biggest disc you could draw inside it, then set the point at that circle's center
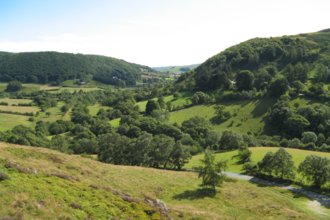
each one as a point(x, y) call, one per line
point(31, 119)
point(310, 146)
point(4, 176)
point(250, 167)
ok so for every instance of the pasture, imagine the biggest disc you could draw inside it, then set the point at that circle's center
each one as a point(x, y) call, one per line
point(181, 191)
point(257, 154)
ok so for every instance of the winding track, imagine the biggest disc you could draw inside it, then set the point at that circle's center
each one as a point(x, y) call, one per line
point(322, 199)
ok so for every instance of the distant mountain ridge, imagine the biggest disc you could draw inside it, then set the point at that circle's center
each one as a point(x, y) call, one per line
point(45, 67)
point(173, 69)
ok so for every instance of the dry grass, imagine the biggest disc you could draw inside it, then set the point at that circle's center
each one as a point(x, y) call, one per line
point(22, 109)
point(180, 190)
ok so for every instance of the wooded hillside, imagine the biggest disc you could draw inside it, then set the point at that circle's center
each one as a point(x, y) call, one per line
point(45, 67)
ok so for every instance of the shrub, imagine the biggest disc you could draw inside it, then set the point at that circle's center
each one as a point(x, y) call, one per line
point(76, 206)
point(310, 146)
point(64, 176)
point(31, 119)
point(4, 176)
point(250, 167)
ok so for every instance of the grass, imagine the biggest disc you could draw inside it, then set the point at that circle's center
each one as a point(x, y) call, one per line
point(9, 121)
point(23, 109)
point(257, 154)
point(94, 109)
point(42, 197)
point(15, 101)
point(184, 99)
point(115, 122)
point(251, 115)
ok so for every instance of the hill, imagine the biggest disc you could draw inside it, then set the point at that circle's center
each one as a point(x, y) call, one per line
point(265, 58)
point(72, 187)
point(54, 68)
point(176, 69)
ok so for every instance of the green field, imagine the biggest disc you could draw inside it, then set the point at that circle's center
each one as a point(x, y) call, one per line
point(257, 154)
point(184, 99)
point(115, 122)
point(94, 109)
point(181, 191)
point(15, 101)
point(9, 121)
point(251, 115)
point(22, 109)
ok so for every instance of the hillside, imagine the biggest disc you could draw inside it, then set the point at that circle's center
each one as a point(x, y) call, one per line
point(54, 68)
point(176, 69)
point(265, 58)
point(72, 187)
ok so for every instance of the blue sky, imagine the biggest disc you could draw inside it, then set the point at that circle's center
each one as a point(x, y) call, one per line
point(153, 33)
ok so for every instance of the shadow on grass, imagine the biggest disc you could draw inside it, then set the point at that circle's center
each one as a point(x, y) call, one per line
point(196, 194)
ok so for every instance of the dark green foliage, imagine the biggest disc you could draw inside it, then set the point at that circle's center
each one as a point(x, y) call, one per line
point(266, 164)
point(278, 86)
point(180, 155)
point(211, 170)
point(14, 86)
point(244, 153)
point(316, 169)
point(152, 105)
point(244, 80)
point(230, 140)
point(54, 67)
point(283, 165)
point(197, 127)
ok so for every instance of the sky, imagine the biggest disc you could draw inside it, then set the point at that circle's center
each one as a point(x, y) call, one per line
point(152, 32)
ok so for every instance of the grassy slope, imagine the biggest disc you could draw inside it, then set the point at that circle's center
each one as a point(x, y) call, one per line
point(257, 154)
point(251, 114)
point(180, 191)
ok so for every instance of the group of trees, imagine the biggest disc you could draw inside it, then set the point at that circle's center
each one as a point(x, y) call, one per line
point(54, 68)
point(314, 169)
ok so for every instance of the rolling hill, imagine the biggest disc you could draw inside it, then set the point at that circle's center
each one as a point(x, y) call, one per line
point(304, 52)
point(54, 68)
point(176, 69)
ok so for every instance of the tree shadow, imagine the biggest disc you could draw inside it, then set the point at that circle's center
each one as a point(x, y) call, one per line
point(196, 194)
point(217, 120)
point(261, 106)
point(238, 125)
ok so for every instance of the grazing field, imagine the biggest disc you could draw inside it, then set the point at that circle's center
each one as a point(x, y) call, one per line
point(251, 115)
point(184, 99)
point(94, 109)
point(181, 191)
point(22, 109)
point(71, 90)
point(115, 122)
point(9, 121)
point(15, 101)
point(257, 154)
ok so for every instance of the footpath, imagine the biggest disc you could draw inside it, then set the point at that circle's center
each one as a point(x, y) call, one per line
point(321, 199)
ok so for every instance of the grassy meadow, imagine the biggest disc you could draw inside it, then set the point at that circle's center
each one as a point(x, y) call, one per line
point(38, 196)
point(94, 109)
point(257, 154)
point(251, 115)
point(9, 121)
point(115, 122)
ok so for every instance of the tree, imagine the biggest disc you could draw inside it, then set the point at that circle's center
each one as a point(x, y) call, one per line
point(244, 80)
point(48, 114)
point(297, 124)
point(161, 102)
point(308, 137)
point(169, 106)
point(244, 153)
point(176, 95)
point(151, 105)
point(14, 86)
point(180, 155)
point(65, 108)
point(316, 169)
point(230, 140)
point(266, 163)
point(278, 86)
point(219, 111)
point(211, 170)
point(283, 164)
